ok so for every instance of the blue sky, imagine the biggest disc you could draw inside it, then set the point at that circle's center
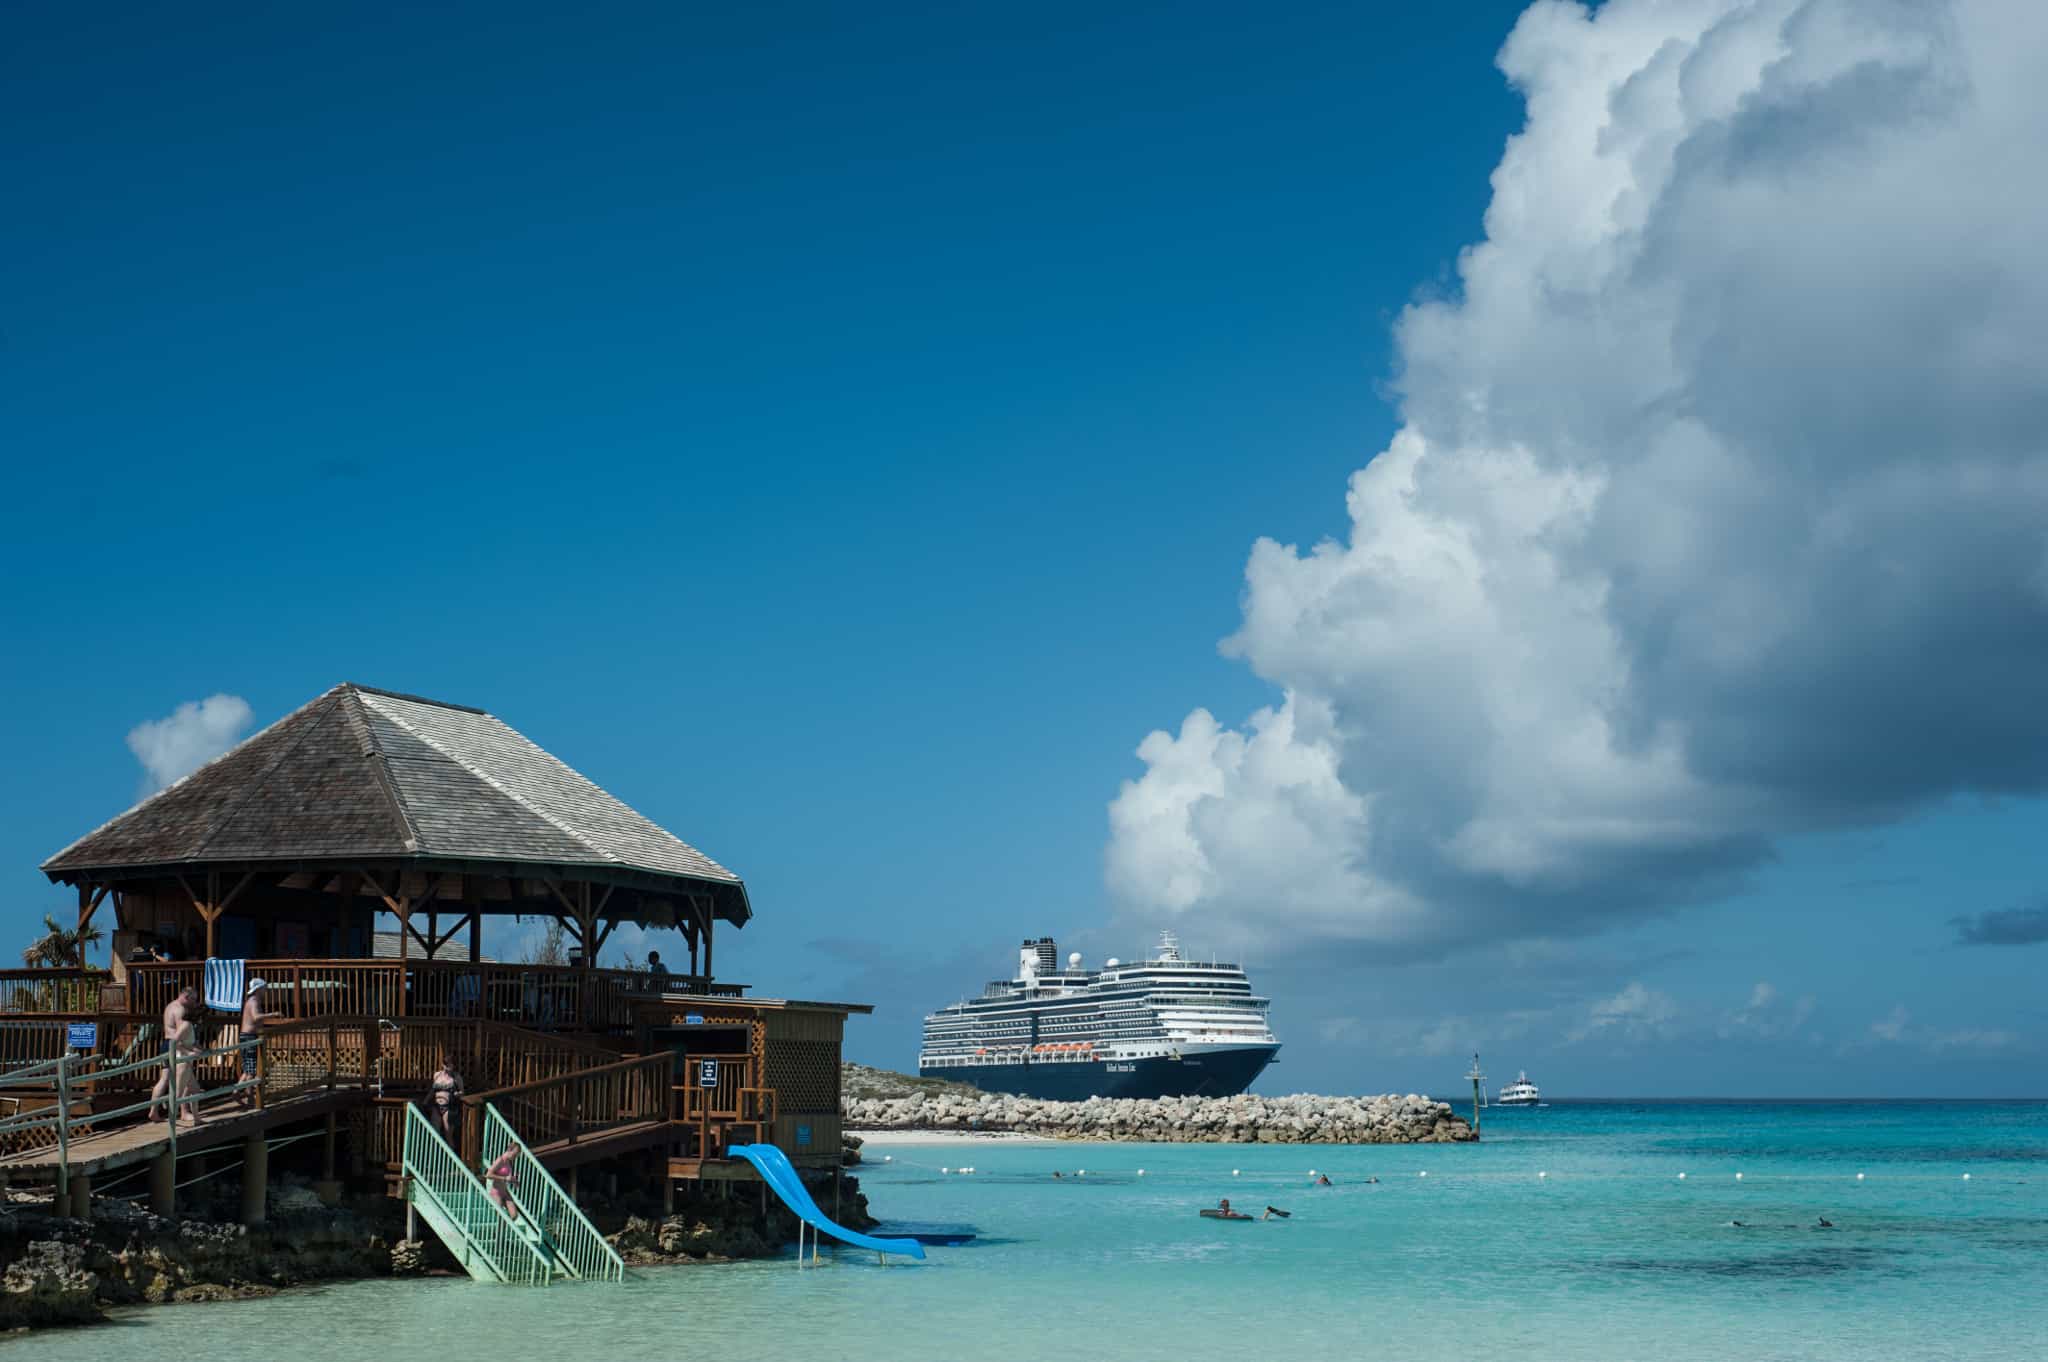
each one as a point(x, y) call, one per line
point(842, 434)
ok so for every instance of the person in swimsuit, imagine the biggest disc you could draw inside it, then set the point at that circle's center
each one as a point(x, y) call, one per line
point(184, 1049)
point(254, 1019)
point(174, 1021)
point(1323, 1181)
point(503, 1175)
point(447, 1094)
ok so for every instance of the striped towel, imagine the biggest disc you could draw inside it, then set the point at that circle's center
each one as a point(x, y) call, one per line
point(224, 990)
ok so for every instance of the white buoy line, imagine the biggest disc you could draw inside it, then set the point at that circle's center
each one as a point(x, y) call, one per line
point(1364, 1177)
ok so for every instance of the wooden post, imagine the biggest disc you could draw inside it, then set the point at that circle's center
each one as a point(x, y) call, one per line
point(88, 901)
point(328, 1188)
point(163, 1184)
point(255, 1178)
point(333, 1037)
point(81, 1196)
point(64, 1124)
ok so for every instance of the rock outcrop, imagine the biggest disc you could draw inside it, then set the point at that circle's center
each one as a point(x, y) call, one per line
point(62, 1271)
point(1245, 1119)
point(708, 1226)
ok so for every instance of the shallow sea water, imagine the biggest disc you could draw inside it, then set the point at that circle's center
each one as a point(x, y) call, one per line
point(1611, 1256)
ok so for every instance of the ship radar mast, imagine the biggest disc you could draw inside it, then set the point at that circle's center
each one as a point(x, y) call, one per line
point(1169, 946)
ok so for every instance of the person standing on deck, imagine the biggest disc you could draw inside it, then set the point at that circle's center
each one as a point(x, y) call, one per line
point(254, 1019)
point(174, 1022)
point(446, 1111)
point(184, 1048)
point(657, 972)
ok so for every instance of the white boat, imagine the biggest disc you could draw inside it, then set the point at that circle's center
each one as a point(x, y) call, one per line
point(1520, 1093)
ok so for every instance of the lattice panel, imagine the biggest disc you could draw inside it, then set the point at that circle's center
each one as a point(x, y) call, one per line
point(804, 1074)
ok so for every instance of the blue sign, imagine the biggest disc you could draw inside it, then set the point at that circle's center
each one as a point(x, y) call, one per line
point(707, 1073)
point(693, 1018)
point(82, 1035)
point(803, 1134)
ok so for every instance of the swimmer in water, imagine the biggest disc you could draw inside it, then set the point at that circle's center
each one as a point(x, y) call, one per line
point(1055, 1173)
point(1323, 1181)
point(1272, 1211)
point(1826, 1223)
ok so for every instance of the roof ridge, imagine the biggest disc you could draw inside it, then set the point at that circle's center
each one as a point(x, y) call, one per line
point(155, 795)
point(557, 824)
point(380, 770)
point(415, 699)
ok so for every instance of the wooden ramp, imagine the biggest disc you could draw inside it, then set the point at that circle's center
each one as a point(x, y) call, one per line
point(557, 1155)
point(222, 1122)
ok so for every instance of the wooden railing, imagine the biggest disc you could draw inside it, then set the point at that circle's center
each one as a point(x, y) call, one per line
point(44, 991)
point(579, 1105)
point(736, 1098)
point(548, 997)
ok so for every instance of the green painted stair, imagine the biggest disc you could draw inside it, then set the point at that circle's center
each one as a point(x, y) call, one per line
point(558, 1229)
point(489, 1244)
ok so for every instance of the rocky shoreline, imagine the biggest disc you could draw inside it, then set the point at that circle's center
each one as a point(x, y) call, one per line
point(56, 1271)
point(1245, 1119)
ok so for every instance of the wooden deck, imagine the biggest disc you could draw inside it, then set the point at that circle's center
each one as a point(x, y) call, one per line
point(224, 1123)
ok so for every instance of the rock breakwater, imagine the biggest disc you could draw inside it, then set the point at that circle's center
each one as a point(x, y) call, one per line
point(1245, 1119)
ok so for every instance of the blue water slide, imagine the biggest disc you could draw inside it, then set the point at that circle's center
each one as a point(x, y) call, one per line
point(775, 1169)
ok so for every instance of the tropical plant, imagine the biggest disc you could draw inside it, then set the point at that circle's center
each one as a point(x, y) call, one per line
point(553, 946)
point(60, 947)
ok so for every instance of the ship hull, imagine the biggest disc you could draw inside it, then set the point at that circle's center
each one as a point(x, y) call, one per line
point(1209, 1073)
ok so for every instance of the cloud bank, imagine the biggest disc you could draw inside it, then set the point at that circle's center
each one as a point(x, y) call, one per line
point(2026, 926)
point(1715, 514)
point(193, 734)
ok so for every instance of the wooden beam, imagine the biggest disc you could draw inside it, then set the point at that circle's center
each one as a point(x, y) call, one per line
point(236, 892)
point(88, 903)
point(555, 888)
point(436, 940)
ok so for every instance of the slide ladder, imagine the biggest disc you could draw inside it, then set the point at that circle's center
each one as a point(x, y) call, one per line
point(565, 1234)
point(776, 1170)
point(487, 1242)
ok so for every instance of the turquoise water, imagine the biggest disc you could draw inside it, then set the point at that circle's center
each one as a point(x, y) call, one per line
point(1610, 1256)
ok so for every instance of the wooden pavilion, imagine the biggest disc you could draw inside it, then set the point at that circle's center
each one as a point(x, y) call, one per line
point(282, 853)
point(363, 801)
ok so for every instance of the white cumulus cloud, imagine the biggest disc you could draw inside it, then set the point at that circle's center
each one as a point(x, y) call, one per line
point(1715, 514)
point(191, 735)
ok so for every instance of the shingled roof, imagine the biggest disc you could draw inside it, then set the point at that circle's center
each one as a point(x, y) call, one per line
point(372, 775)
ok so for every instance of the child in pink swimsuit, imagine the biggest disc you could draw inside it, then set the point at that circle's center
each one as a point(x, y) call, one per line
point(501, 1177)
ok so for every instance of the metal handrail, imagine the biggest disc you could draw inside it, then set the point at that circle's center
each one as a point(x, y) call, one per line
point(460, 1208)
point(64, 1122)
point(565, 1230)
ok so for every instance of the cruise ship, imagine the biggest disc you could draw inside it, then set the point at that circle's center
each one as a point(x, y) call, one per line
point(1163, 1027)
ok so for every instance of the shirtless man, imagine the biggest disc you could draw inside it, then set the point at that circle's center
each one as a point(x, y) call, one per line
point(254, 1019)
point(174, 1023)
